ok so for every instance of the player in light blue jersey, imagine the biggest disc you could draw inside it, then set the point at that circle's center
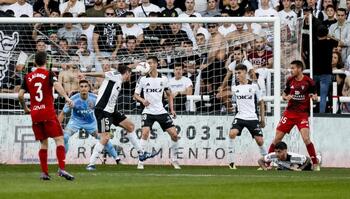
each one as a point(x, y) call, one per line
point(83, 117)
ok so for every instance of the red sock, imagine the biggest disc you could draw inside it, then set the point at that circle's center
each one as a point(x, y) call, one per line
point(272, 148)
point(311, 150)
point(43, 161)
point(61, 156)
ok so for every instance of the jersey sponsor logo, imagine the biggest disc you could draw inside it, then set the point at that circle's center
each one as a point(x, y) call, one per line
point(7, 45)
point(39, 107)
point(242, 97)
point(153, 90)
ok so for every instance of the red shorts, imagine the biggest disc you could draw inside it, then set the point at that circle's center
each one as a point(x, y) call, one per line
point(287, 122)
point(45, 129)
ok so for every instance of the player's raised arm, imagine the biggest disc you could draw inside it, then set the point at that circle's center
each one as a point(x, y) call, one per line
point(92, 74)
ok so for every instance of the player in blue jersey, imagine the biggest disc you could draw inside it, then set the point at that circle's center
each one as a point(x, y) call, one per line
point(83, 118)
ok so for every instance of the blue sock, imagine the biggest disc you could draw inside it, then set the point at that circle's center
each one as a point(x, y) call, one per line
point(66, 139)
point(111, 150)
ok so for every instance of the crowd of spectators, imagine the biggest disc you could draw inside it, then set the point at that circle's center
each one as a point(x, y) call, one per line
point(200, 58)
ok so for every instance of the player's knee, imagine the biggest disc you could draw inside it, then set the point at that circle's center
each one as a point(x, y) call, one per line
point(233, 133)
point(307, 140)
point(130, 127)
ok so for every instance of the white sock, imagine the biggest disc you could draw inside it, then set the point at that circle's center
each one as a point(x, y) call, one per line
point(230, 151)
point(174, 150)
point(133, 139)
point(143, 144)
point(96, 152)
point(262, 150)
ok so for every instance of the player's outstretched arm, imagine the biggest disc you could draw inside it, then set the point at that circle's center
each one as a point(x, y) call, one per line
point(93, 74)
point(140, 99)
point(262, 164)
point(22, 102)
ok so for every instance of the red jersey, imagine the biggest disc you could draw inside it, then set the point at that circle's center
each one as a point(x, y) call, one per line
point(261, 61)
point(300, 90)
point(39, 84)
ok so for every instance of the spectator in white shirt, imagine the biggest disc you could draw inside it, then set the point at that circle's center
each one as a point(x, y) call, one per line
point(21, 7)
point(265, 10)
point(73, 6)
point(288, 16)
point(180, 87)
point(212, 9)
point(226, 28)
point(132, 29)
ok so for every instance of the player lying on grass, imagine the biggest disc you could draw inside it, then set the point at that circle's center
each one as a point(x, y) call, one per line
point(83, 117)
point(285, 160)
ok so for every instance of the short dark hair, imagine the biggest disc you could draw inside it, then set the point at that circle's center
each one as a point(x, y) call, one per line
point(40, 58)
point(130, 37)
point(129, 13)
point(281, 146)
point(241, 67)
point(67, 14)
point(298, 64)
point(322, 31)
point(330, 6)
point(341, 9)
point(154, 58)
point(122, 69)
point(178, 65)
point(154, 14)
point(84, 81)
point(188, 42)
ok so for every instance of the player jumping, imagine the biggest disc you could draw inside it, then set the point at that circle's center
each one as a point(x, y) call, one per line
point(299, 89)
point(39, 84)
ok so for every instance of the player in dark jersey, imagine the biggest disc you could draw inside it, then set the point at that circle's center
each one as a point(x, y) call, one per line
point(39, 84)
point(299, 89)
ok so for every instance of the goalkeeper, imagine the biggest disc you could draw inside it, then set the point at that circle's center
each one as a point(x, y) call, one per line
point(285, 160)
point(83, 117)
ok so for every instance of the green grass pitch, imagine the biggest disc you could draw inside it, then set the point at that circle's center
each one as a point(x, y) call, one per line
point(112, 181)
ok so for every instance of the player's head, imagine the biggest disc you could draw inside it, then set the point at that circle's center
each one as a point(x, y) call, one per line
point(153, 62)
point(241, 72)
point(281, 150)
point(84, 87)
point(178, 70)
point(125, 71)
point(296, 67)
point(40, 59)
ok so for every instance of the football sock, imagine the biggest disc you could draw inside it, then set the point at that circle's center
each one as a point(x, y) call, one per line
point(111, 150)
point(230, 155)
point(262, 151)
point(66, 139)
point(96, 152)
point(174, 150)
point(311, 150)
point(43, 161)
point(143, 144)
point(133, 139)
point(61, 156)
point(272, 148)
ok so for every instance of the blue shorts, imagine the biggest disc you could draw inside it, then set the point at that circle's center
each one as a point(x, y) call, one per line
point(73, 127)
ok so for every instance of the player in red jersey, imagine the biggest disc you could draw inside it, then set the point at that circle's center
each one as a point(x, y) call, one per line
point(299, 89)
point(39, 84)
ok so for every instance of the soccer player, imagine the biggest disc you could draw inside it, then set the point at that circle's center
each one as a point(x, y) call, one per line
point(285, 160)
point(83, 117)
point(106, 115)
point(248, 97)
point(39, 84)
point(299, 89)
point(153, 86)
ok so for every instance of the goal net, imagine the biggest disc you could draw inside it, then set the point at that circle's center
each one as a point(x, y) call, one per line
point(198, 55)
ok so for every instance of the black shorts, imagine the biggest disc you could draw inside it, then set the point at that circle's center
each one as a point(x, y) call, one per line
point(106, 119)
point(252, 126)
point(164, 120)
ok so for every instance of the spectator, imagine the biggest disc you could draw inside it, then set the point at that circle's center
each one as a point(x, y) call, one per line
point(190, 4)
point(120, 8)
point(226, 28)
point(107, 38)
point(168, 50)
point(68, 76)
point(251, 27)
point(348, 10)
point(63, 55)
point(265, 10)
point(298, 8)
point(88, 30)
point(145, 8)
point(69, 32)
point(40, 47)
point(128, 55)
point(195, 29)
point(330, 11)
point(274, 4)
point(13, 82)
point(201, 5)
point(73, 6)
point(323, 15)
point(45, 7)
point(236, 9)
point(190, 61)
point(21, 7)
point(52, 47)
point(345, 106)
point(337, 64)
point(132, 29)
point(240, 36)
point(180, 87)
point(133, 4)
point(170, 10)
point(153, 33)
point(288, 16)
point(97, 10)
point(40, 31)
point(341, 32)
point(322, 69)
point(212, 9)
point(176, 36)
point(86, 56)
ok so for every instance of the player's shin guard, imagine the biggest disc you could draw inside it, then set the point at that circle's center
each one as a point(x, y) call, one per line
point(111, 150)
point(95, 153)
point(135, 143)
point(174, 150)
point(230, 155)
point(272, 148)
point(61, 156)
point(43, 161)
point(143, 144)
point(312, 152)
point(66, 139)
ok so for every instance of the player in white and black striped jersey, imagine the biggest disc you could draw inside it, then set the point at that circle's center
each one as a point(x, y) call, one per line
point(106, 115)
point(248, 96)
point(285, 160)
point(153, 86)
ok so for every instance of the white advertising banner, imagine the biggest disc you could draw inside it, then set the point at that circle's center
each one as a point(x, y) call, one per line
point(203, 142)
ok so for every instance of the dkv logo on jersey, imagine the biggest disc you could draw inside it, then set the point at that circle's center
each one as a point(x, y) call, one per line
point(7, 45)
